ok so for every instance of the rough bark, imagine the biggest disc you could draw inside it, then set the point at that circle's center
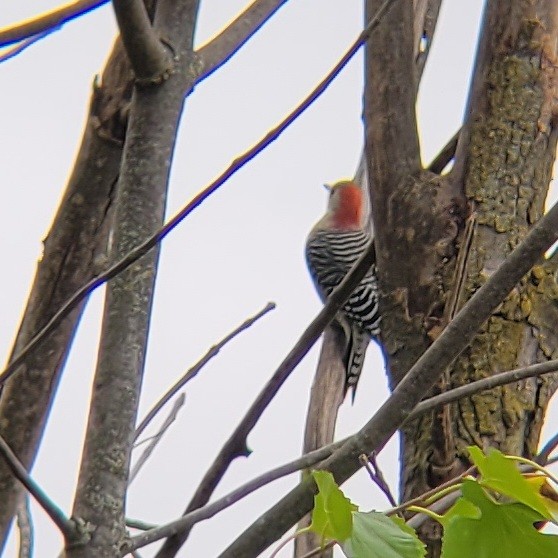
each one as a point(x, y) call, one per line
point(74, 251)
point(154, 115)
point(503, 168)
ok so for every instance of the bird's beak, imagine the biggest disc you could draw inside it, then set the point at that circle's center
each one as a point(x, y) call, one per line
point(328, 187)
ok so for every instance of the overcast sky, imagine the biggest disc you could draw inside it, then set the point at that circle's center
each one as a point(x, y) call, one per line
point(242, 248)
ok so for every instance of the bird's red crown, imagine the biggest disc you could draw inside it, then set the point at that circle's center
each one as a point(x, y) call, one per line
point(348, 205)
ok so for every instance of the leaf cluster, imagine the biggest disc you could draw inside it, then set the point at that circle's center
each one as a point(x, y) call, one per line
point(499, 513)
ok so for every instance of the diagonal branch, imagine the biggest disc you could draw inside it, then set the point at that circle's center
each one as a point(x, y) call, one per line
point(139, 251)
point(425, 19)
point(48, 21)
point(236, 445)
point(312, 458)
point(50, 508)
point(187, 521)
point(221, 48)
point(157, 438)
point(193, 371)
point(397, 408)
point(447, 153)
point(23, 45)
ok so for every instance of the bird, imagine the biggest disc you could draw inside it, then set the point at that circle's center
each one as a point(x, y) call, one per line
point(332, 247)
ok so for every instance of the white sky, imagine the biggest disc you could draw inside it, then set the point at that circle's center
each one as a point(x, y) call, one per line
point(240, 249)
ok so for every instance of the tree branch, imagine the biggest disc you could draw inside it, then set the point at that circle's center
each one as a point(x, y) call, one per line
point(14, 51)
point(193, 371)
point(50, 508)
point(47, 22)
point(150, 61)
point(154, 114)
point(485, 383)
point(312, 458)
point(157, 438)
point(236, 445)
point(544, 455)
point(397, 408)
point(25, 528)
point(447, 153)
point(74, 249)
point(424, 24)
point(326, 396)
point(139, 251)
point(187, 521)
point(237, 33)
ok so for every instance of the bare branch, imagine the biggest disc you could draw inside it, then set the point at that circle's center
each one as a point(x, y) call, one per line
point(192, 372)
point(485, 383)
point(187, 521)
point(326, 396)
point(544, 455)
point(425, 19)
point(74, 250)
point(442, 160)
point(376, 475)
point(47, 22)
point(318, 550)
point(153, 240)
point(14, 51)
point(139, 213)
point(150, 61)
point(225, 45)
point(25, 528)
point(50, 508)
point(157, 438)
point(312, 458)
point(236, 445)
point(397, 408)
point(140, 525)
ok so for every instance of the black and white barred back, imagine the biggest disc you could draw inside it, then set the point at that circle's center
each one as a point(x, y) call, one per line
point(330, 255)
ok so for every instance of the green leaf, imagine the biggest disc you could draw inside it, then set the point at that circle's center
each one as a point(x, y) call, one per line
point(494, 530)
point(502, 475)
point(377, 536)
point(332, 515)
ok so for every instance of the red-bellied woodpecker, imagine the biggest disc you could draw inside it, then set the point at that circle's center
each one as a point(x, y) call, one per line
point(332, 248)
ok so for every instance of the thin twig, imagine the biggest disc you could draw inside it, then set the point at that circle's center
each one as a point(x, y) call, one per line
point(14, 51)
point(25, 528)
point(318, 550)
point(205, 512)
point(233, 168)
point(157, 438)
point(376, 475)
point(543, 456)
point(425, 496)
point(150, 61)
point(425, 20)
point(441, 505)
point(49, 21)
point(192, 372)
point(441, 161)
point(21, 474)
point(227, 43)
point(485, 383)
point(138, 524)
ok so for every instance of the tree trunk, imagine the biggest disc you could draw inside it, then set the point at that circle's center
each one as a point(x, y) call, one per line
point(499, 184)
